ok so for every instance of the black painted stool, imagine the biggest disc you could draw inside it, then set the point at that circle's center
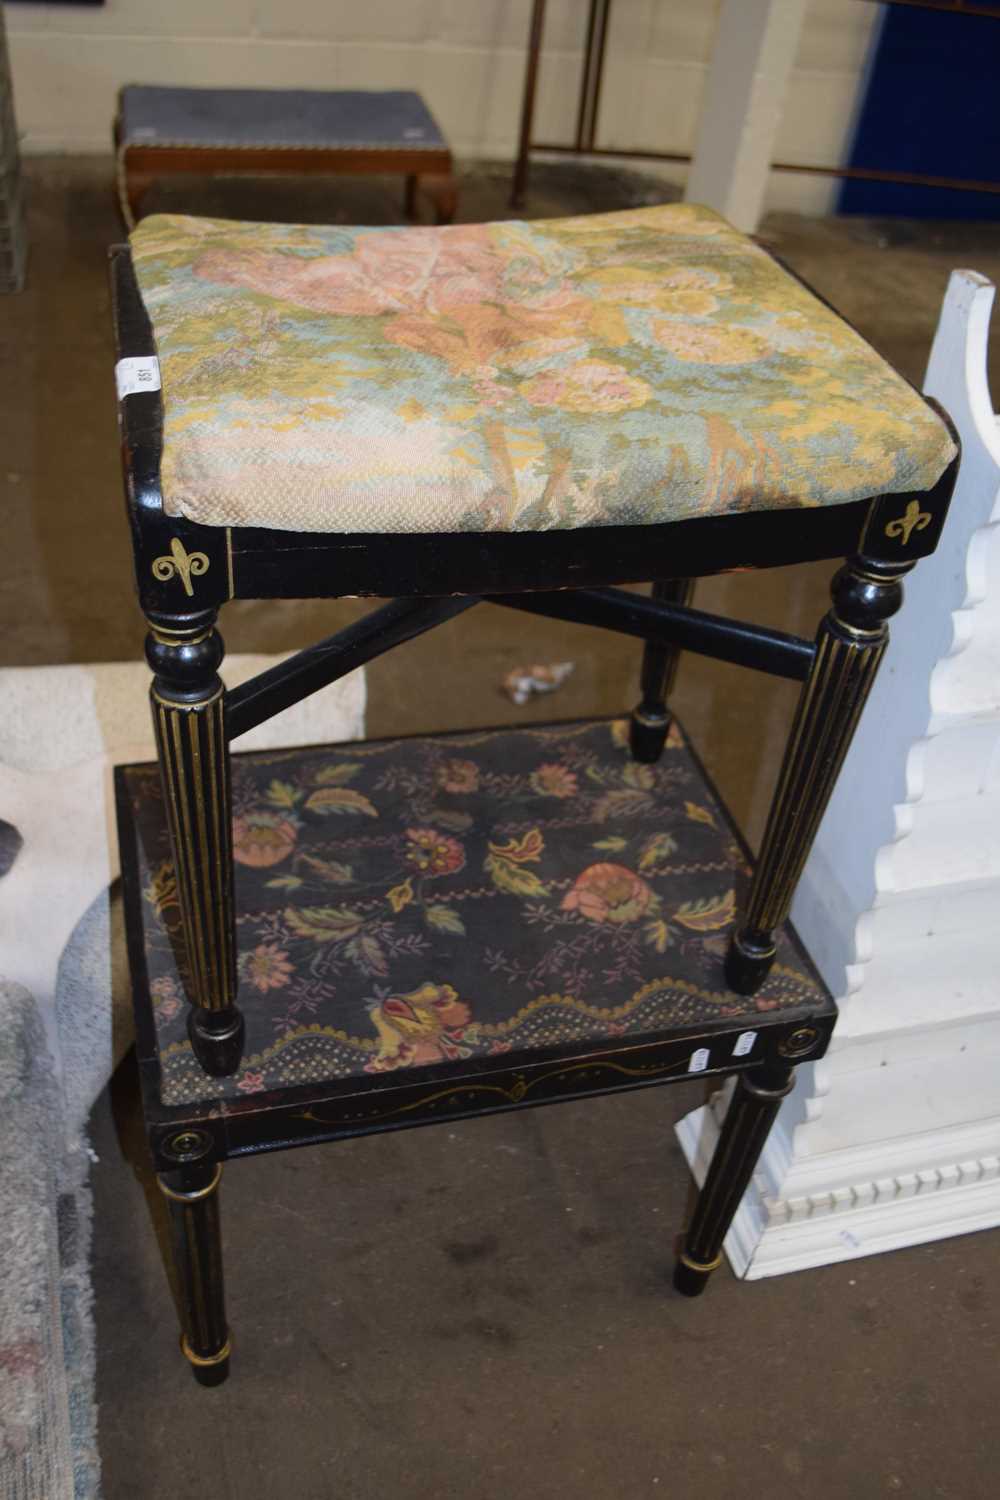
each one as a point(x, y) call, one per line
point(363, 937)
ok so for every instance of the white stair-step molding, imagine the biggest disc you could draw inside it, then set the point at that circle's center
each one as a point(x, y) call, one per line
point(893, 1139)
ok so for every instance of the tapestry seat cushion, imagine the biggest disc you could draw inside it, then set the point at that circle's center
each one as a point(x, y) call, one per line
point(405, 904)
point(612, 369)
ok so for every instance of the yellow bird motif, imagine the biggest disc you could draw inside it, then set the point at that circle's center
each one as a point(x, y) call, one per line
point(424, 1026)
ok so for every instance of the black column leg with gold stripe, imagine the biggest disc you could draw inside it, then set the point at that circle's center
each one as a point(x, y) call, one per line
point(749, 1117)
point(192, 1195)
point(188, 701)
point(850, 645)
point(651, 718)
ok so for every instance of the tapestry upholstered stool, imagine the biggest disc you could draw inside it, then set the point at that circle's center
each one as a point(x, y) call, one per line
point(363, 937)
point(161, 132)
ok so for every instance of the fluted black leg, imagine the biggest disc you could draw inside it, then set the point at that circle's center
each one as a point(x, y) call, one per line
point(651, 718)
point(850, 645)
point(192, 1195)
point(188, 701)
point(751, 1113)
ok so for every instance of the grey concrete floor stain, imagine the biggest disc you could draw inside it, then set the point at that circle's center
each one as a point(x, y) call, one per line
point(481, 1310)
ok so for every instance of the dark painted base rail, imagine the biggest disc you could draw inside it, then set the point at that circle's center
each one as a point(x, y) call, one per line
point(317, 666)
point(652, 620)
point(677, 625)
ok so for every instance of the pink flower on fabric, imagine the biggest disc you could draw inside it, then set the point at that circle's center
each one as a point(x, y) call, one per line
point(166, 997)
point(261, 839)
point(434, 853)
point(609, 893)
point(590, 385)
point(554, 780)
point(406, 270)
point(458, 776)
point(268, 968)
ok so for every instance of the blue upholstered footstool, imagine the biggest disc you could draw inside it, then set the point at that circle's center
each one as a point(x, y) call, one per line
point(166, 131)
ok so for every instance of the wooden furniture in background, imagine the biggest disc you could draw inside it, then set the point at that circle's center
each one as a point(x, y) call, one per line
point(164, 132)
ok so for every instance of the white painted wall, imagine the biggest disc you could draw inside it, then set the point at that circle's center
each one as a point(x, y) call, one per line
point(465, 56)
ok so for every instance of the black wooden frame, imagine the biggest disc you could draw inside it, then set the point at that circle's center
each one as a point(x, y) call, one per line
point(247, 562)
point(185, 572)
point(289, 1116)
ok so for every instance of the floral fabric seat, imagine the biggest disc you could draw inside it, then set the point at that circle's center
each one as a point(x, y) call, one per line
point(626, 368)
point(405, 904)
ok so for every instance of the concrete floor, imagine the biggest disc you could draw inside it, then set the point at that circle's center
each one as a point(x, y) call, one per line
point(485, 1309)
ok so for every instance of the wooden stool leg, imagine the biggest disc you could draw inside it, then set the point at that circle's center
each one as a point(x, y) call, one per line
point(137, 185)
point(188, 701)
point(850, 645)
point(192, 1195)
point(410, 198)
point(440, 188)
point(651, 719)
point(751, 1113)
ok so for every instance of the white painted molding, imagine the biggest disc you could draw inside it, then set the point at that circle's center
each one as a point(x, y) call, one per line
point(865, 1215)
point(894, 1138)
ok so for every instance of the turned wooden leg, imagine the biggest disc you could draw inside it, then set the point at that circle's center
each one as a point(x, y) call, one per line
point(440, 188)
point(751, 1113)
point(850, 645)
point(410, 198)
point(137, 185)
point(188, 700)
point(651, 719)
point(192, 1194)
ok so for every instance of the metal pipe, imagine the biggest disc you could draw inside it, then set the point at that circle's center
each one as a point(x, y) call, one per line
point(520, 183)
point(861, 174)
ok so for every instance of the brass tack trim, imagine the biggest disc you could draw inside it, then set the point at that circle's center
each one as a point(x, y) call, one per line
point(192, 1197)
point(205, 1359)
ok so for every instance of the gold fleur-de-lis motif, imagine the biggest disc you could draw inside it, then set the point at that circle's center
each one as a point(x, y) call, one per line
point(905, 525)
point(186, 565)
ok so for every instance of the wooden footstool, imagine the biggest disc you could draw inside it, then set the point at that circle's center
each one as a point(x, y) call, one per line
point(161, 132)
point(354, 938)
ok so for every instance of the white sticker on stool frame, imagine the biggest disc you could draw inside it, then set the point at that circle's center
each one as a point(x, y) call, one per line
point(699, 1060)
point(139, 372)
point(744, 1043)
